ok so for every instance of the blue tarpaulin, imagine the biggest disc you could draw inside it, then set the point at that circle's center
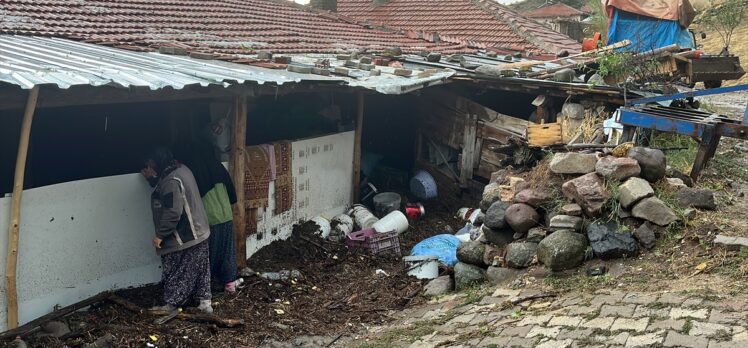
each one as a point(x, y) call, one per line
point(647, 33)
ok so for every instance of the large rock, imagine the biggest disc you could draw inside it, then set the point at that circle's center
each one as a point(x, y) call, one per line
point(496, 215)
point(573, 163)
point(619, 168)
point(439, 286)
point(588, 191)
point(566, 222)
point(654, 210)
point(520, 255)
point(533, 197)
point(471, 252)
point(522, 217)
point(609, 243)
point(498, 237)
point(696, 198)
point(500, 275)
point(562, 250)
point(536, 234)
point(634, 190)
point(572, 209)
point(652, 162)
point(468, 275)
point(491, 194)
point(645, 234)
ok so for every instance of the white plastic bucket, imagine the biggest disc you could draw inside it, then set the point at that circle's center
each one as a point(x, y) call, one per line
point(324, 226)
point(423, 186)
point(343, 224)
point(394, 221)
point(362, 216)
point(422, 267)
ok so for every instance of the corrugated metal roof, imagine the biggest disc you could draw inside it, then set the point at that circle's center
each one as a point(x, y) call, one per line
point(27, 61)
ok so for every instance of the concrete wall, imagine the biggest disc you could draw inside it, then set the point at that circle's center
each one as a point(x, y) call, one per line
point(322, 173)
point(84, 237)
point(78, 239)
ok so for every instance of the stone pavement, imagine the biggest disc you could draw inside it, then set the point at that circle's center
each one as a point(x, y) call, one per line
point(485, 318)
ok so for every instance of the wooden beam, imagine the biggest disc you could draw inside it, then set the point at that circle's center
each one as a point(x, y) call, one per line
point(11, 292)
point(468, 149)
point(357, 146)
point(237, 166)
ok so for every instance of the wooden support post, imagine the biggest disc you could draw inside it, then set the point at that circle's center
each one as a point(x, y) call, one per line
point(238, 165)
point(627, 134)
point(709, 142)
point(357, 147)
point(468, 149)
point(11, 292)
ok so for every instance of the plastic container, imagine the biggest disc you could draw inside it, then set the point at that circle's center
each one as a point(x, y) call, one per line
point(394, 221)
point(470, 215)
point(324, 226)
point(386, 202)
point(343, 224)
point(376, 243)
point(414, 211)
point(362, 216)
point(423, 185)
point(422, 266)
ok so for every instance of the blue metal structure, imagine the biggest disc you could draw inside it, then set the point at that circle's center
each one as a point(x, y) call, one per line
point(707, 127)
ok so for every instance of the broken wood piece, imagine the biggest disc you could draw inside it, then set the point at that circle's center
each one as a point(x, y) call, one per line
point(32, 325)
point(509, 304)
point(196, 317)
point(546, 134)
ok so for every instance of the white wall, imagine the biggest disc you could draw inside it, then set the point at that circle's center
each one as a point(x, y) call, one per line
point(322, 178)
point(78, 239)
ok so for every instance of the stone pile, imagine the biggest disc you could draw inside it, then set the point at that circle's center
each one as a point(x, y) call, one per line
point(608, 209)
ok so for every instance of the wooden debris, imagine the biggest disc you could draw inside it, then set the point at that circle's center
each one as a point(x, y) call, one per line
point(546, 134)
point(196, 317)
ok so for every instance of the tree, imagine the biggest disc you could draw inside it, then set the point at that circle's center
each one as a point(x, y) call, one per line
point(724, 18)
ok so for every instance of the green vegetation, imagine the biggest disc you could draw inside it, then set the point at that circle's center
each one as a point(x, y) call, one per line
point(724, 18)
point(678, 159)
point(598, 19)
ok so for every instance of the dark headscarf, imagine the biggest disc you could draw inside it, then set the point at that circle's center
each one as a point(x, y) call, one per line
point(207, 169)
point(163, 161)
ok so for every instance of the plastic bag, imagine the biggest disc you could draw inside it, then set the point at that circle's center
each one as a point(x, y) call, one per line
point(443, 246)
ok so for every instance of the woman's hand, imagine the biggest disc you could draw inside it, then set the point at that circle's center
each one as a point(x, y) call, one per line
point(156, 242)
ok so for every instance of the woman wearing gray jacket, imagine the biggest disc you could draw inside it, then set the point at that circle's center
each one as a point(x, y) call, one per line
point(181, 232)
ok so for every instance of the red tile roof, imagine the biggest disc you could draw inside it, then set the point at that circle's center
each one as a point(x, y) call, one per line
point(554, 11)
point(223, 27)
point(484, 22)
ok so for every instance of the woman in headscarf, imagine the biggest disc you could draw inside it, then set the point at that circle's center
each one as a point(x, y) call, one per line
point(182, 232)
point(218, 194)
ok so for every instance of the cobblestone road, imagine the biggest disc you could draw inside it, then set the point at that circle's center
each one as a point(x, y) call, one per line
point(601, 319)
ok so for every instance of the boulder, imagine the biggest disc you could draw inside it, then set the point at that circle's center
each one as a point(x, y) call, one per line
point(573, 163)
point(609, 243)
point(498, 237)
point(619, 168)
point(536, 234)
point(689, 197)
point(564, 75)
point(491, 194)
point(566, 222)
point(520, 254)
point(511, 186)
point(491, 254)
point(501, 276)
point(645, 234)
point(634, 190)
point(588, 191)
point(562, 250)
point(471, 252)
point(572, 209)
point(522, 217)
point(496, 215)
point(654, 210)
point(675, 173)
point(652, 162)
point(439, 286)
point(533, 197)
point(467, 275)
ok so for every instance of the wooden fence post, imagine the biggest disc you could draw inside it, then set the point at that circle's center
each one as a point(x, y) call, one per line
point(11, 292)
point(357, 146)
point(237, 165)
